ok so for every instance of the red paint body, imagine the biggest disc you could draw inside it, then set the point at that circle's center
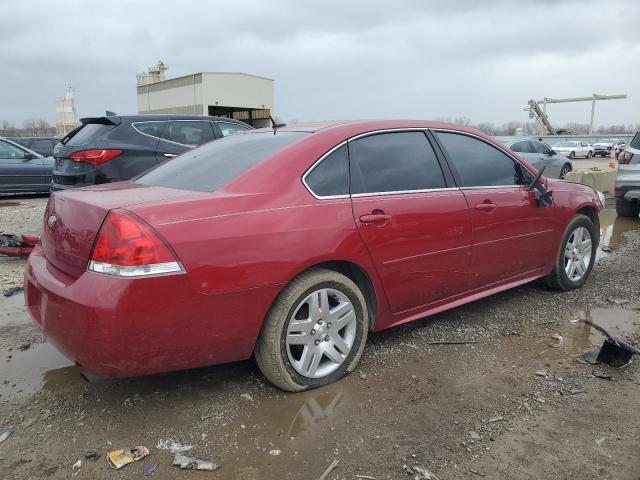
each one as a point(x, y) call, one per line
point(243, 243)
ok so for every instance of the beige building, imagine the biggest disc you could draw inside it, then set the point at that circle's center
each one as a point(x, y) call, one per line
point(66, 119)
point(234, 95)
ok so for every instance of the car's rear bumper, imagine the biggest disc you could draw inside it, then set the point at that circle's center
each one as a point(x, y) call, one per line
point(117, 327)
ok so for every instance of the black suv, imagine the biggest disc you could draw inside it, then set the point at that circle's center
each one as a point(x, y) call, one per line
point(114, 148)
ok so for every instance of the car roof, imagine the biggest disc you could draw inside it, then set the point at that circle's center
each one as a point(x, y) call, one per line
point(355, 127)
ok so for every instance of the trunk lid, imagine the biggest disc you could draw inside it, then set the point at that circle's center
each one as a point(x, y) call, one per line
point(73, 218)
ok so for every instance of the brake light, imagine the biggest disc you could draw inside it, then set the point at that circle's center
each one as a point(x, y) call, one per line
point(625, 157)
point(618, 192)
point(94, 157)
point(128, 247)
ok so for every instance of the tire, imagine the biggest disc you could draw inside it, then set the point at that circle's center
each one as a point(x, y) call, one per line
point(559, 278)
point(626, 209)
point(589, 154)
point(566, 168)
point(277, 357)
point(572, 155)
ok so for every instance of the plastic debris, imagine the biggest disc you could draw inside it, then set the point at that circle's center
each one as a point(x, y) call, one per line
point(560, 340)
point(17, 245)
point(124, 456)
point(246, 396)
point(326, 473)
point(4, 434)
point(75, 468)
point(151, 470)
point(275, 453)
point(192, 463)
point(173, 447)
point(9, 292)
point(541, 373)
point(91, 455)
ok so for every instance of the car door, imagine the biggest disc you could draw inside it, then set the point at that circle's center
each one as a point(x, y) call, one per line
point(552, 160)
point(511, 234)
point(182, 135)
point(19, 170)
point(414, 223)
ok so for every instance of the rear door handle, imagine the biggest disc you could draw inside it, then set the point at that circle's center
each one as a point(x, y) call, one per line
point(486, 206)
point(375, 217)
point(169, 155)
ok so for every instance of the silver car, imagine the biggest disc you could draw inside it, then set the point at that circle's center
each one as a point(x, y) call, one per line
point(628, 180)
point(541, 155)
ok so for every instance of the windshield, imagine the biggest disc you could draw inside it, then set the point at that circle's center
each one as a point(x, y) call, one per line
point(214, 164)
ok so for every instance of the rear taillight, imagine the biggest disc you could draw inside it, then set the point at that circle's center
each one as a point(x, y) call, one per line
point(618, 192)
point(94, 157)
point(127, 247)
point(625, 157)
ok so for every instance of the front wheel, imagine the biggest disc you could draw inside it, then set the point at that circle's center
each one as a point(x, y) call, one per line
point(589, 154)
point(576, 255)
point(314, 333)
point(572, 155)
point(565, 169)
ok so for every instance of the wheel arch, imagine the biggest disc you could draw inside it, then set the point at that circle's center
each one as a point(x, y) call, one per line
point(592, 213)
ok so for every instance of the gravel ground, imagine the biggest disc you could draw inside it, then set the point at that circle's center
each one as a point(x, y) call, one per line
point(513, 401)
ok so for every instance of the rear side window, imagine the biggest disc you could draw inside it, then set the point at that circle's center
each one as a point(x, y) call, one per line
point(394, 162)
point(189, 132)
point(479, 164)
point(211, 166)
point(522, 147)
point(88, 132)
point(331, 176)
point(153, 129)
point(228, 128)
point(635, 142)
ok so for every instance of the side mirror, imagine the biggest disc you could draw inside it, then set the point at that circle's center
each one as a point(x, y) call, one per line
point(551, 152)
point(28, 156)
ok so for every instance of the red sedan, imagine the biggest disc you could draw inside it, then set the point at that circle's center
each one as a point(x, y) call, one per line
point(291, 245)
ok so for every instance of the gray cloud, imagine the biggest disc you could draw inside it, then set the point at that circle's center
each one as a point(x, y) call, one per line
point(331, 59)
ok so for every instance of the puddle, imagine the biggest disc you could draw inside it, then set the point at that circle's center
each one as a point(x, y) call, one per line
point(23, 373)
point(611, 229)
point(9, 204)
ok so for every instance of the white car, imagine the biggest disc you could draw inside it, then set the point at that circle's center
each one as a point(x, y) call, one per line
point(574, 148)
point(603, 147)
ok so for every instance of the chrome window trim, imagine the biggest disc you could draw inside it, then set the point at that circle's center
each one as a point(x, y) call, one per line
point(401, 192)
point(133, 124)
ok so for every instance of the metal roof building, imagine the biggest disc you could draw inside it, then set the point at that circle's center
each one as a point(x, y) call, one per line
point(241, 96)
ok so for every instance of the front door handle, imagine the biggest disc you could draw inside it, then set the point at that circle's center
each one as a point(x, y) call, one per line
point(486, 206)
point(375, 218)
point(169, 155)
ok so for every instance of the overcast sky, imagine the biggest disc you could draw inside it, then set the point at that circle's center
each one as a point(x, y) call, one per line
point(331, 59)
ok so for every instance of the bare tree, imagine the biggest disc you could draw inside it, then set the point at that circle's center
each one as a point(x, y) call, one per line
point(8, 128)
point(42, 127)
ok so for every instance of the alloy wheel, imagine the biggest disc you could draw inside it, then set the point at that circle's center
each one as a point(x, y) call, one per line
point(577, 254)
point(320, 333)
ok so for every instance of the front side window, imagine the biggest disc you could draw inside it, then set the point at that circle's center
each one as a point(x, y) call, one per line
point(394, 162)
point(522, 147)
point(330, 177)
point(540, 147)
point(189, 132)
point(9, 151)
point(228, 128)
point(477, 163)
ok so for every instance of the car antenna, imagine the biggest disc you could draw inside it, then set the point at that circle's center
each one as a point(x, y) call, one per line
point(275, 125)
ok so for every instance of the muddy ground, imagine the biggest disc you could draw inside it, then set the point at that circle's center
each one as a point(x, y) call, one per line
point(513, 402)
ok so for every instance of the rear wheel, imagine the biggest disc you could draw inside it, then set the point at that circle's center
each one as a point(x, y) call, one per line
point(565, 169)
point(589, 154)
point(572, 155)
point(576, 255)
point(626, 209)
point(314, 333)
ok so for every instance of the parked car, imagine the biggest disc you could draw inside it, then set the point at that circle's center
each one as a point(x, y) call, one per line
point(627, 189)
point(574, 148)
point(293, 246)
point(603, 147)
point(43, 145)
point(541, 155)
point(114, 148)
point(23, 170)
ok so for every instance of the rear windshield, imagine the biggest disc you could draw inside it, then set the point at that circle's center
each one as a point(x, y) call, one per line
point(88, 132)
point(213, 165)
point(635, 142)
